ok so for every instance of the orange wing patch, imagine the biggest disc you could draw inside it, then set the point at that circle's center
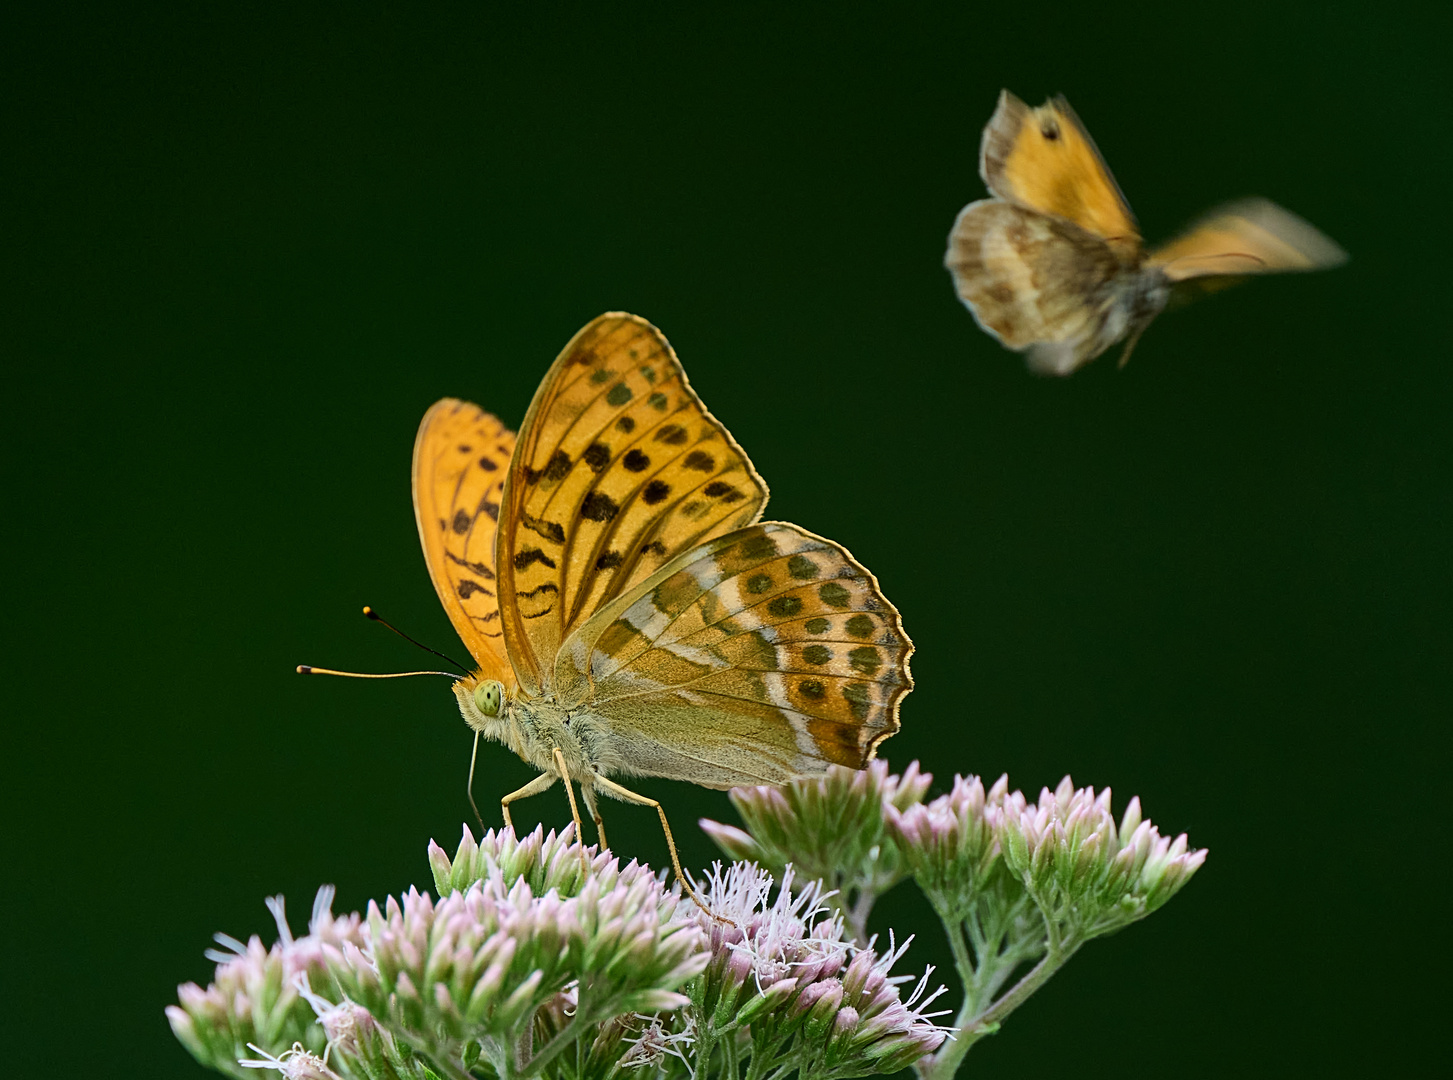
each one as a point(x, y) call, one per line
point(461, 457)
point(620, 468)
point(1044, 160)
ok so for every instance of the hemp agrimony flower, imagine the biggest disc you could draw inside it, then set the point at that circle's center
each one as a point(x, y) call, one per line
point(785, 990)
point(1020, 884)
point(546, 958)
point(831, 830)
point(254, 998)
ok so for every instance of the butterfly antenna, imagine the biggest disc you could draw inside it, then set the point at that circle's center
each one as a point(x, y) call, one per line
point(376, 617)
point(308, 669)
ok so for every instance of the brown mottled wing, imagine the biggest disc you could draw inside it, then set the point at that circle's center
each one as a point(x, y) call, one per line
point(461, 456)
point(1253, 236)
point(1035, 283)
point(1043, 159)
point(619, 468)
point(766, 654)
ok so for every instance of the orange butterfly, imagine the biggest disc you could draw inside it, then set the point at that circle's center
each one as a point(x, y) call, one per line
point(1054, 267)
point(628, 610)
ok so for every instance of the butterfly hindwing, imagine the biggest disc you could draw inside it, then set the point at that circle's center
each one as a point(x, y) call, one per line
point(461, 456)
point(1044, 160)
point(1033, 281)
point(619, 468)
point(765, 654)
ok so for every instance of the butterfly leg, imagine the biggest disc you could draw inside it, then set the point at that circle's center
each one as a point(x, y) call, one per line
point(534, 787)
point(559, 756)
point(630, 796)
point(469, 788)
point(589, 792)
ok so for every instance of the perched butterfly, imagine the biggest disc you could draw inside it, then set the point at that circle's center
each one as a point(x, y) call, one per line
point(629, 612)
point(1053, 266)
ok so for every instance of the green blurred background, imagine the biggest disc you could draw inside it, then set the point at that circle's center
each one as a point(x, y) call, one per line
point(246, 251)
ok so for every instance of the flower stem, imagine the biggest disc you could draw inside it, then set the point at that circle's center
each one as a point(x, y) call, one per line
point(973, 1025)
point(857, 918)
point(1036, 977)
point(552, 1049)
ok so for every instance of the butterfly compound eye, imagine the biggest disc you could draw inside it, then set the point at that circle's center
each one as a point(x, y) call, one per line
point(487, 697)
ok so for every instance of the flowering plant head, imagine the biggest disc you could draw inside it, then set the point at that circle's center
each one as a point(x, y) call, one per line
point(544, 957)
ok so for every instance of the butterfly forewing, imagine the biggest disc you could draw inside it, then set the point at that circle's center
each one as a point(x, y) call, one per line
point(619, 469)
point(765, 654)
point(461, 457)
point(1253, 236)
point(1044, 160)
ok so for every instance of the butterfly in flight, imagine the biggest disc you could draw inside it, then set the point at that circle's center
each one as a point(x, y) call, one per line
point(1053, 265)
point(629, 612)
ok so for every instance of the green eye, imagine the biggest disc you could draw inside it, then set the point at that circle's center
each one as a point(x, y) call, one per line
point(487, 697)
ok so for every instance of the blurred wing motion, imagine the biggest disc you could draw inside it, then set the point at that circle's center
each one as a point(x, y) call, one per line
point(1037, 283)
point(619, 469)
point(461, 456)
point(1253, 236)
point(763, 655)
point(1044, 160)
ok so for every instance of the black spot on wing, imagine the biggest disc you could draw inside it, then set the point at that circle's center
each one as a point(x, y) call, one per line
point(802, 568)
point(598, 506)
point(473, 567)
point(532, 555)
point(759, 547)
point(784, 607)
point(720, 489)
point(468, 588)
point(461, 522)
point(597, 456)
point(550, 530)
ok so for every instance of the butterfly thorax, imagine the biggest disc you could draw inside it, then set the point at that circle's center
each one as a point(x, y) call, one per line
point(1144, 295)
